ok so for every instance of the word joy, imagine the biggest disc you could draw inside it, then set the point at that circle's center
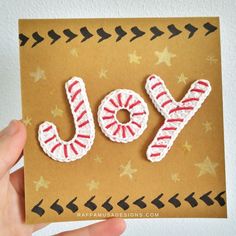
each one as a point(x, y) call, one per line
point(176, 115)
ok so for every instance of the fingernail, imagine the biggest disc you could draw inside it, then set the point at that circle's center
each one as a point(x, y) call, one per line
point(11, 129)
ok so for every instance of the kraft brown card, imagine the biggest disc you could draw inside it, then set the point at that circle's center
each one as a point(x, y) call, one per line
point(98, 176)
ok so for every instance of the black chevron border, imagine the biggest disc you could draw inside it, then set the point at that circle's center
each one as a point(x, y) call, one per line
point(159, 201)
point(118, 34)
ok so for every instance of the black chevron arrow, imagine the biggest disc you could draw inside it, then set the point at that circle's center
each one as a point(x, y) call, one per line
point(53, 35)
point(140, 203)
point(206, 199)
point(121, 33)
point(103, 34)
point(192, 29)
point(137, 32)
point(85, 32)
point(56, 207)
point(191, 200)
point(38, 39)
point(37, 209)
point(23, 39)
point(107, 205)
point(72, 206)
point(219, 198)
point(157, 202)
point(174, 201)
point(156, 32)
point(173, 30)
point(69, 34)
point(123, 204)
point(211, 28)
point(90, 204)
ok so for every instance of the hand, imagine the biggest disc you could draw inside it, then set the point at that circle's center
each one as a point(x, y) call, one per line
point(12, 217)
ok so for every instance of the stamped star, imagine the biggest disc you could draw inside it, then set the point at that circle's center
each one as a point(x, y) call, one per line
point(98, 159)
point(27, 121)
point(41, 183)
point(56, 112)
point(175, 177)
point(38, 75)
point(164, 57)
point(103, 74)
point(187, 147)
point(182, 78)
point(207, 126)
point(127, 170)
point(74, 52)
point(207, 167)
point(211, 60)
point(134, 58)
point(92, 185)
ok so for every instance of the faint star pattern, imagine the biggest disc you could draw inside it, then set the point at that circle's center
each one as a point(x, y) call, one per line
point(182, 78)
point(103, 74)
point(134, 58)
point(211, 60)
point(207, 126)
point(127, 170)
point(175, 177)
point(56, 112)
point(74, 52)
point(187, 147)
point(207, 167)
point(164, 57)
point(98, 159)
point(92, 185)
point(38, 75)
point(27, 121)
point(41, 183)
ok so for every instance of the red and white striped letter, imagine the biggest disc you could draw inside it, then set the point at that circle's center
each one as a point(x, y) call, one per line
point(176, 114)
point(80, 144)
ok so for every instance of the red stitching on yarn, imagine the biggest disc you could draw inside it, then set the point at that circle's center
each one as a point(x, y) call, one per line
point(152, 77)
point(190, 100)
point(83, 136)
point(165, 103)
point(203, 83)
point(163, 137)
point(108, 110)
point(73, 149)
point(180, 109)
point(72, 85)
point(123, 132)
point(128, 100)
point(197, 90)
point(80, 144)
point(55, 147)
point(159, 146)
point(65, 150)
point(169, 128)
point(155, 85)
point(113, 103)
point(117, 130)
point(160, 94)
point(109, 125)
point(130, 130)
point(50, 139)
point(175, 120)
point(83, 124)
point(135, 123)
point(81, 115)
point(155, 154)
point(47, 129)
point(138, 113)
point(79, 105)
point(134, 104)
point(75, 95)
point(107, 117)
point(119, 99)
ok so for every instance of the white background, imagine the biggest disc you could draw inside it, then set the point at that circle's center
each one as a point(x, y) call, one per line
point(10, 101)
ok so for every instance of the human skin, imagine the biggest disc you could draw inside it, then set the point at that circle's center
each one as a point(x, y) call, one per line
point(12, 215)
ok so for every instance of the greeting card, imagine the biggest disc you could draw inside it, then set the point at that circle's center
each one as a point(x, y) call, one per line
point(124, 118)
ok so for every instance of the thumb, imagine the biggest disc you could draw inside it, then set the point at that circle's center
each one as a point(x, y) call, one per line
point(12, 141)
